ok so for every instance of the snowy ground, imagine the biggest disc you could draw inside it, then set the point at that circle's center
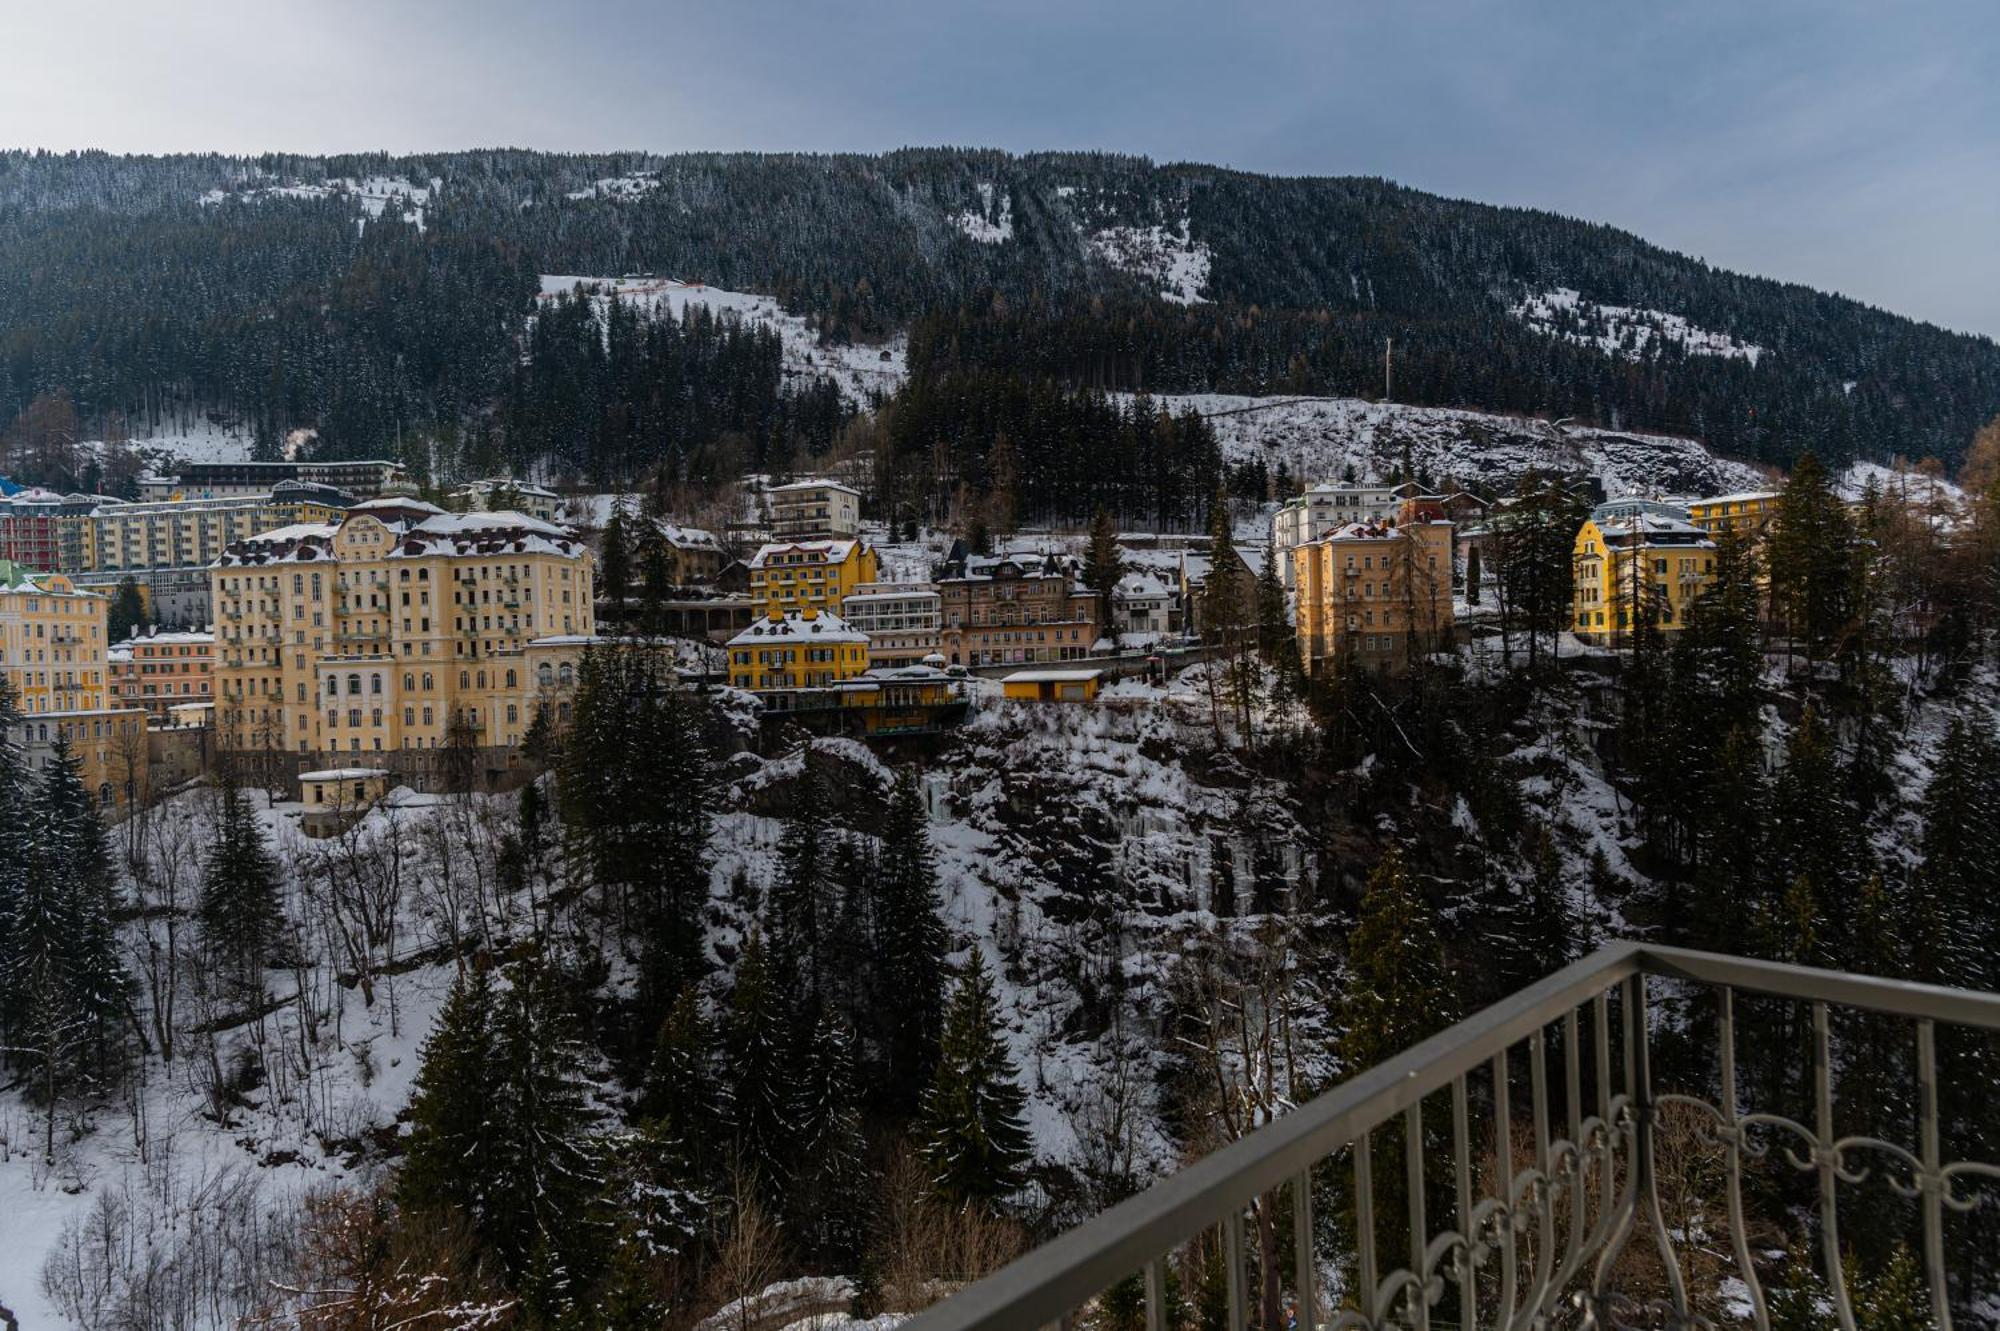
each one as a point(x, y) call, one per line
point(1620, 330)
point(860, 371)
point(1322, 438)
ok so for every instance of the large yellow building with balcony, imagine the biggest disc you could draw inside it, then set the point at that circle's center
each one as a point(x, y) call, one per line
point(808, 574)
point(1375, 594)
point(785, 651)
point(402, 628)
point(1638, 561)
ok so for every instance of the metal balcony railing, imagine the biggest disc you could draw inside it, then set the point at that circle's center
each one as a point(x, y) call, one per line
point(1546, 1201)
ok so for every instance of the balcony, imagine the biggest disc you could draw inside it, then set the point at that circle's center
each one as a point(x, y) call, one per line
point(1549, 1178)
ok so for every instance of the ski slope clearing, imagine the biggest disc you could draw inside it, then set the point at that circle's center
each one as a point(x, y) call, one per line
point(1321, 438)
point(983, 224)
point(1621, 330)
point(1169, 258)
point(861, 372)
point(376, 194)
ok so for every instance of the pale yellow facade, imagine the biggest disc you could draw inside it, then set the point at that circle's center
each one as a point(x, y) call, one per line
point(384, 632)
point(1371, 594)
point(1637, 562)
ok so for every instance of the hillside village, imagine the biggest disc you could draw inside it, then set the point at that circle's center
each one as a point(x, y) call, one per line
point(1064, 778)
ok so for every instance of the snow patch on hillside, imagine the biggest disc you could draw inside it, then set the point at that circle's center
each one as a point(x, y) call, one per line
point(375, 193)
point(1320, 438)
point(166, 448)
point(1622, 330)
point(1170, 258)
point(861, 372)
point(1911, 486)
point(630, 186)
point(982, 223)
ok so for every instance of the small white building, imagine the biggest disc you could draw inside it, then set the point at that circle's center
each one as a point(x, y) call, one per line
point(814, 509)
point(496, 493)
point(1145, 606)
point(902, 620)
point(1324, 508)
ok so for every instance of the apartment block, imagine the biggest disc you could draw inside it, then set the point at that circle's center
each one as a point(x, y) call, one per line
point(52, 654)
point(902, 620)
point(1637, 561)
point(1016, 609)
point(814, 510)
point(160, 671)
point(799, 575)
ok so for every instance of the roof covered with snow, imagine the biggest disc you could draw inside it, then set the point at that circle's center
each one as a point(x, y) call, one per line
point(831, 552)
point(799, 626)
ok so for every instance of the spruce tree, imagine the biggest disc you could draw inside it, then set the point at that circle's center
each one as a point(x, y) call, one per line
point(971, 1130)
point(614, 567)
point(828, 1194)
point(1274, 625)
point(912, 942)
point(800, 898)
point(757, 1043)
point(451, 1108)
point(1399, 990)
point(538, 1158)
point(240, 916)
point(680, 1101)
point(1959, 872)
point(1103, 561)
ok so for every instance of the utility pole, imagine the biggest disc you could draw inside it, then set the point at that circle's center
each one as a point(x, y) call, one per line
point(1388, 369)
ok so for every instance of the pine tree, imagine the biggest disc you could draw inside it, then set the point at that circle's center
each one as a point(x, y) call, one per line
point(1960, 869)
point(127, 615)
point(970, 1129)
point(451, 1107)
point(912, 943)
point(1274, 625)
point(1895, 1297)
point(1399, 989)
point(1812, 557)
point(240, 915)
point(800, 899)
point(680, 1100)
point(757, 1043)
point(1473, 572)
point(614, 567)
point(828, 1193)
point(1103, 561)
point(537, 1156)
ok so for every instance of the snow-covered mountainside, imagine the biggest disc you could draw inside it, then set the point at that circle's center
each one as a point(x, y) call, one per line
point(1321, 438)
point(984, 224)
point(1169, 258)
point(860, 371)
point(1620, 330)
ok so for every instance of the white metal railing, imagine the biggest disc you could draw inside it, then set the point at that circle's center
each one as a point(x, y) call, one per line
point(1544, 1241)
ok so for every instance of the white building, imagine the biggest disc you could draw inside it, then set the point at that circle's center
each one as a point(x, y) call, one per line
point(1322, 509)
point(1145, 607)
point(497, 492)
point(805, 510)
point(902, 620)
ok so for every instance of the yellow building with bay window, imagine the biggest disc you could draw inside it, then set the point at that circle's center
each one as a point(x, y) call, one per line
point(808, 574)
point(785, 651)
point(1638, 561)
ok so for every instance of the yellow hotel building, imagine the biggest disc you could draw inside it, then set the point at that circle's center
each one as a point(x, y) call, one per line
point(1374, 593)
point(783, 651)
point(808, 574)
point(1745, 512)
point(377, 634)
point(1635, 559)
point(53, 654)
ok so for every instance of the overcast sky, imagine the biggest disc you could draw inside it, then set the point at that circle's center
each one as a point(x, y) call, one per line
point(1852, 146)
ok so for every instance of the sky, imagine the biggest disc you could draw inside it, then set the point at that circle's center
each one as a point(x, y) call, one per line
point(1850, 146)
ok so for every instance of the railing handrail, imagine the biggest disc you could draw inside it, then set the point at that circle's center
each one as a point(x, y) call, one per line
point(1054, 1279)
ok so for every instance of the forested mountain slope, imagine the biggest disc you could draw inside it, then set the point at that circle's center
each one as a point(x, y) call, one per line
point(374, 299)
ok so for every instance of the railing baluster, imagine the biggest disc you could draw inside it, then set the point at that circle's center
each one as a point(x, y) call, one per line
point(1573, 1096)
point(1639, 1072)
point(1232, 1256)
point(1738, 1238)
point(1302, 1241)
point(1413, 1149)
point(1461, 1145)
point(1545, 1241)
point(1600, 1023)
point(1829, 1180)
point(1932, 1181)
point(1156, 1294)
point(1503, 1188)
point(1364, 1223)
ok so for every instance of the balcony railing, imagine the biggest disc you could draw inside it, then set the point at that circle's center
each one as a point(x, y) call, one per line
point(1544, 1198)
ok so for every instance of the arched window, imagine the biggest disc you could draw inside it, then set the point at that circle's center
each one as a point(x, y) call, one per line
point(427, 681)
point(545, 674)
point(354, 685)
point(332, 686)
point(409, 682)
point(566, 673)
point(375, 683)
point(464, 679)
point(482, 679)
point(511, 682)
